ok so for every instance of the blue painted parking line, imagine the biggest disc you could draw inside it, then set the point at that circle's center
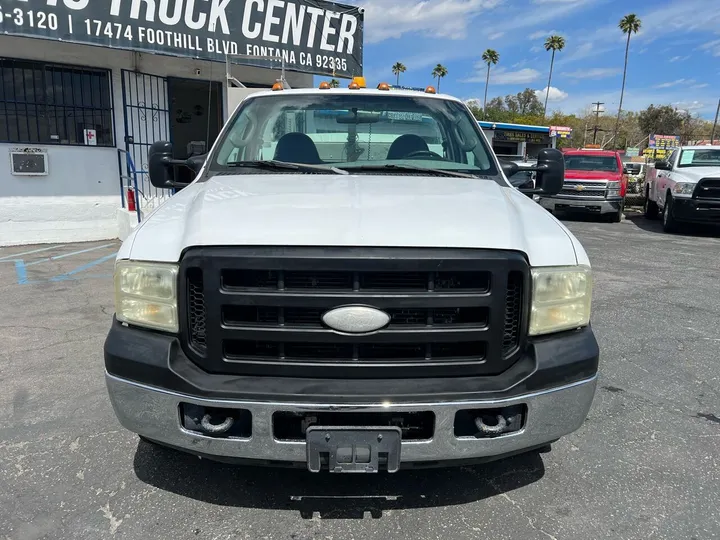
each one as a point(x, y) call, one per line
point(18, 255)
point(72, 253)
point(22, 275)
point(69, 275)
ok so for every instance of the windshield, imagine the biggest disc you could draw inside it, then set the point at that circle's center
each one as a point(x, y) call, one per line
point(591, 163)
point(356, 132)
point(633, 168)
point(700, 158)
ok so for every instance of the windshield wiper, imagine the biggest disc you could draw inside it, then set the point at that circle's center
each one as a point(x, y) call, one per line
point(285, 165)
point(400, 168)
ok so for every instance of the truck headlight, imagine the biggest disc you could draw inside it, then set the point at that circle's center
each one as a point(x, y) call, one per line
point(561, 299)
point(146, 294)
point(684, 188)
point(613, 189)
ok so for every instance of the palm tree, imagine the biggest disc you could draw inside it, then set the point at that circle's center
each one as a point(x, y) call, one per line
point(553, 43)
point(397, 69)
point(629, 24)
point(490, 57)
point(334, 83)
point(438, 73)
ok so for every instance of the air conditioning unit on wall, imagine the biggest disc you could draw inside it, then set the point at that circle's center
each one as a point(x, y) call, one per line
point(28, 162)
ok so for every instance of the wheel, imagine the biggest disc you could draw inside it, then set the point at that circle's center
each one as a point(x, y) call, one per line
point(617, 216)
point(651, 207)
point(669, 223)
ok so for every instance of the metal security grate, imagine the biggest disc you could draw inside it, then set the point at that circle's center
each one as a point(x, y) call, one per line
point(259, 311)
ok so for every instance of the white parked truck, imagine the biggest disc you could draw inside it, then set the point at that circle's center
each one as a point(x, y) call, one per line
point(352, 283)
point(685, 188)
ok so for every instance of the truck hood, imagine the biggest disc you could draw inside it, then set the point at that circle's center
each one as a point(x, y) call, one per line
point(571, 174)
point(695, 174)
point(352, 210)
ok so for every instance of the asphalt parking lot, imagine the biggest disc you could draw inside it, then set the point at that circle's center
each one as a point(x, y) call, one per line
point(646, 464)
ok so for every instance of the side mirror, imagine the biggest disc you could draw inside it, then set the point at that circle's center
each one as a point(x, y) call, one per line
point(550, 170)
point(161, 165)
point(510, 168)
point(663, 166)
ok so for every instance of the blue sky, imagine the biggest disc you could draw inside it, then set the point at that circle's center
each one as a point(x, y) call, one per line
point(675, 59)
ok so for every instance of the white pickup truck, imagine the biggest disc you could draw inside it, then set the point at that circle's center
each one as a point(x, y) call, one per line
point(352, 283)
point(685, 188)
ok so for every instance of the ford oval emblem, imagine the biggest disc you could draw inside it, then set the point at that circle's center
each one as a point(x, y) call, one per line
point(356, 319)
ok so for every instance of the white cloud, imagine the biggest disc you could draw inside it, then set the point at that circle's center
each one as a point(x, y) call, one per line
point(554, 94)
point(536, 49)
point(712, 46)
point(385, 19)
point(496, 35)
point(676, 82)
point(556, 1)
point(688, 106)
point(542, 34)
point(699, 86)
point(679, 58)
point(503, 76)
point(593, 73)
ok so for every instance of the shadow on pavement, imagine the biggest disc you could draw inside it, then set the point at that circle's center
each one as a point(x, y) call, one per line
point(344, 496)
point(655, 226)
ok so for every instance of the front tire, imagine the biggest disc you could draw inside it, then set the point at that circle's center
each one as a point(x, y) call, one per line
point(669, 223)
point(651, 207)
point(617, 216)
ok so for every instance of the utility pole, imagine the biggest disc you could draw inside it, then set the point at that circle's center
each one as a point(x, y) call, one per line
point(597, 120)
point(712, 137)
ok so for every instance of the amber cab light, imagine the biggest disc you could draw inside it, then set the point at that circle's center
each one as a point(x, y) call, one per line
point(354, 86)
point(277, 86)
point(324, 85)
point(430, 90)
point(383, 86)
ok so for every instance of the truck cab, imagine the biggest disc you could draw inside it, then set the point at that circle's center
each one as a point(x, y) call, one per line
point(352, 284)
point(595, 183)
point(685, 188)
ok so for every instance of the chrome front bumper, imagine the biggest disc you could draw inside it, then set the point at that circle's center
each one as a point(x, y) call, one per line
point(154, 414)
point(606, 206)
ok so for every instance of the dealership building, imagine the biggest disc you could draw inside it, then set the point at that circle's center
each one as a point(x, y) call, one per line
point(85, 90)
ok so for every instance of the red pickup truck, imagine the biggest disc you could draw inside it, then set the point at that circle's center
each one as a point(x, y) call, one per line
point(595, 182)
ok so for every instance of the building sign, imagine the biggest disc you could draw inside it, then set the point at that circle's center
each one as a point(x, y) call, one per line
point(311, 36)
point(562, 132)
point(661, 146)
point(520, 136)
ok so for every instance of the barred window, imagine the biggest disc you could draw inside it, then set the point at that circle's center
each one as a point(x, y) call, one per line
point(54, 104)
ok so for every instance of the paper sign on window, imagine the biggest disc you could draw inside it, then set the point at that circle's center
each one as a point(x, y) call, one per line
point(90, 137)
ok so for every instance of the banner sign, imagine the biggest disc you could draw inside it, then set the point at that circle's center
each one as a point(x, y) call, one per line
point(632, 151)
point(520, 136)
point(664, 141)
point(311, 36)
point(562, 132)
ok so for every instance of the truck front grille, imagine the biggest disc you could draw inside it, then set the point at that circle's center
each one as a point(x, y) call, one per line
point(708, 188)
point(584, 189)
point(259, 311)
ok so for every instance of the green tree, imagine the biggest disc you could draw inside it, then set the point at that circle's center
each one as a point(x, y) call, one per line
point(629, 24)
point(438, 73)
point(663, 120)
point(525, 103)
point(554, 43)
point(397, 69)
point(334, 83)
point(491, 57)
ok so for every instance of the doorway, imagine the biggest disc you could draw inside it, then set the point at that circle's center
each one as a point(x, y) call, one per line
point(196, 118)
